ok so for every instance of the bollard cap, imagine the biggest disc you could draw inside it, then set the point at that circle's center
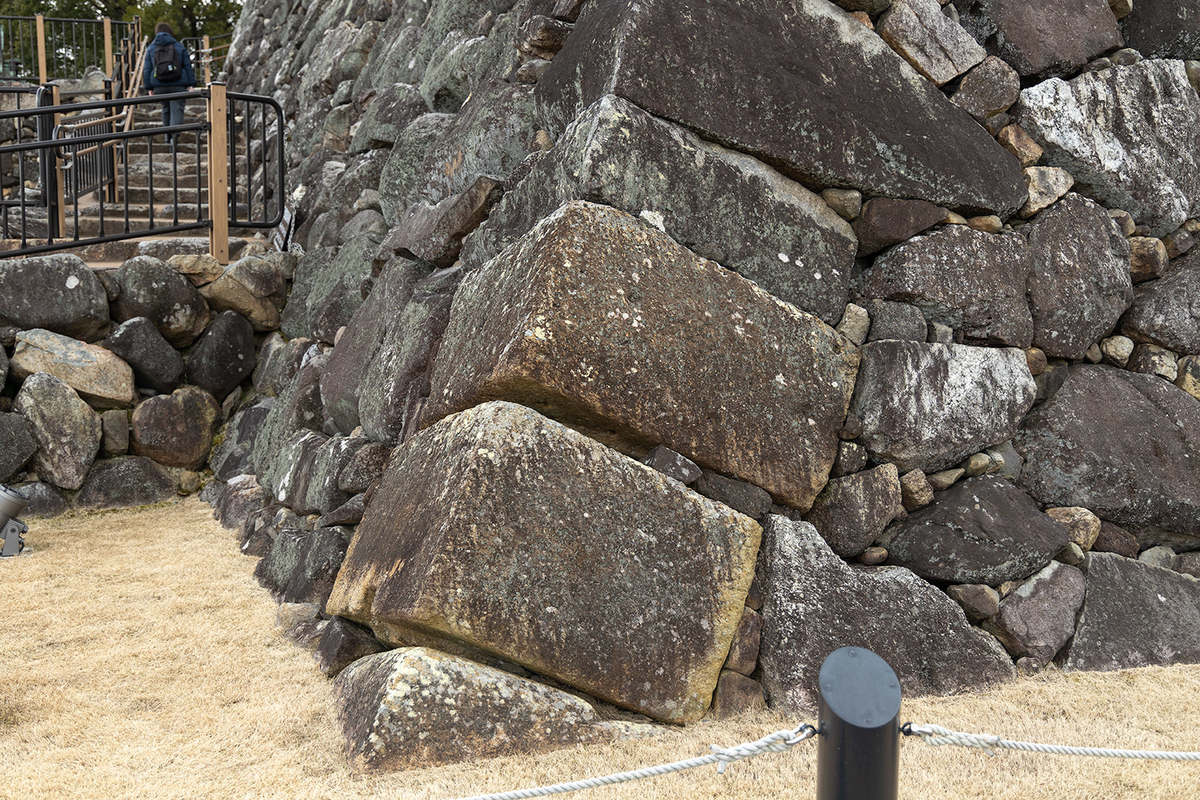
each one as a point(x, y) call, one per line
point(859, 687)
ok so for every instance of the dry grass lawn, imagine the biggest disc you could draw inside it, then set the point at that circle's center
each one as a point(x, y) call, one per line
point(138, 659)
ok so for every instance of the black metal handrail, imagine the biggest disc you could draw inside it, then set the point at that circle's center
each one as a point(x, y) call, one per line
point(272, 200)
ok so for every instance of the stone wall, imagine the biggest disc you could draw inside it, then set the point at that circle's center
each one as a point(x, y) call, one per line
point(635, 356)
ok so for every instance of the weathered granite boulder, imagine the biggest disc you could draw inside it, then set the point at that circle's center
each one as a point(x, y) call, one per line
point(873, 124)
point(1166, 312)
point(327, 289)
point(45, 500)
point(317, 567)
point(125, 482)
point(406, 161)
point(1134, 615)
point(1163, 28)
point(156, 364)
point(434, 232)
point(415, 707)
point(17, 445)
point(389, 113)
point(343, 643)
point(896, 321)
point(815, 603)
point(980, 530)
point(99, 376)
point(1079, 284)
point(935, 45)
point(200, 269)
point(1038, 618)
point(1042, 39)
point(279, 361)
point(146, 287)
point(971, 281)
point(288, 470)
point(850, 513)
point(885, 221)
point(297, 409)
point(464, 544)
point(66, 429)
point(365, 467)
point(928, 406)
point(176, 430)
point(322, 493)
point(223, 356)
point(611, 325)
point(239, 498)
point(253, 287)
point(743, 652)
point(1121, 444)
point(57, 292)
point(1128, 135)
point(716, 202)
point(340, 56)
point(737, 694)
point(232, 454)
point(989, 89)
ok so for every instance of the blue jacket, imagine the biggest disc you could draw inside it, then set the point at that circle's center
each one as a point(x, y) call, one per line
point(189, 76)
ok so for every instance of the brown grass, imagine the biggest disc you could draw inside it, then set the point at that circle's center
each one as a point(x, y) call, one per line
point(138, 658)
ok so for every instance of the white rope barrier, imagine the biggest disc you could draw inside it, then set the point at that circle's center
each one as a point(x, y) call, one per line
point(777, 742)
point(938, 736)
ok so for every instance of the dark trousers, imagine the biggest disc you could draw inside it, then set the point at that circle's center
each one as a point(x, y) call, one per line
point(172, 110)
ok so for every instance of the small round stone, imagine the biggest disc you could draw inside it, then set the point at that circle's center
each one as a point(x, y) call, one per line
point(873, 555)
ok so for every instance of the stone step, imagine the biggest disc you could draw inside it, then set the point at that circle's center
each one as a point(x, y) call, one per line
point(163, 195)
point(113, 253)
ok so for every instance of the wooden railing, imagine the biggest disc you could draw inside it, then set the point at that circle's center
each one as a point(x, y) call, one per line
point(39, 48)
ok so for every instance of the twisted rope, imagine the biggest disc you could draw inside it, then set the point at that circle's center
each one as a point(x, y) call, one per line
point(938, 736)
point(777, 742)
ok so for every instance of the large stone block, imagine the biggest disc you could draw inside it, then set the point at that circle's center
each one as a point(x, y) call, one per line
point(832, 105)
point(815, 603)
point(66, 429)
point(1128, 135)
point(146, 287)
point(59, 293)
point(928, 406)
point(717, 202)
point(125, 482)
point(611, 326)
point(1164, 28)
point(501, 531)
point(931, 41)
point(176, 430)
point(17, 444)
point(1167, 311)
point(101, 378)
point(1038, 618)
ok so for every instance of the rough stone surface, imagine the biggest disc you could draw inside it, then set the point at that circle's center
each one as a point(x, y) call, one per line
point(125, 482)
point(17, 445)
point(1148, 258)
point(342, 643)
point(1042, 39)
point(1150, 359)
point(59, 293)
point(979, 601)
point(851, 512)
point(1082, 525)
point(816, 603)
point(971, 281)
point(719, 203)
point(935, 45)
point(176, 430)
point(673, 567)
point(1128, 135)
point(1163, 28)
point(738, 495)
point(1121, 444)
point(1167, 311)
point(1134, 615)
point(414, 707)
point(115, 427)
point(1115, 539)
point(885, 222)
point(897, 321)
point(223, 356)
point(66, 429)
point(874, 125)
point(99, 376)
point(365, 467)
point(1158, 556)
point(253, 287)
point(1039, 617)
point(737, 694)
point(146, 287)
point(231, 456)
point(927, 406)
point(625, 353)
point(156, 364)
point(980, 530)
point(327, 290)
point(1045, 185)
point(743, 652)
point(672, 464)
point(988, 89)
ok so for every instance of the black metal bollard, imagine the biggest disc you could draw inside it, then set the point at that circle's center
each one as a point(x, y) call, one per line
point(858, 719)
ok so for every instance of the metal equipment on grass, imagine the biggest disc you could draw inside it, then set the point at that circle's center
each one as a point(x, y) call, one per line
point(12, 530)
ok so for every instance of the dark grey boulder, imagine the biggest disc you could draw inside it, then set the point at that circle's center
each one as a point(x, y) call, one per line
point(58, 292)
point(928, 406)
point(874, 124)
point(232, 454)
point(971, 281)
point(1115, 539)
point(388, 114)
point(322, 493)
point(988, 89)
point(66, 429)
point(1038, 618)
point(1079, 284)
point(287, 473)
point(238, 498)
point(405, 163)
point(125, 482)
point(980, 530)
point(1166, 312)
point(1134, 615)
point(17, 444)
point(285, 556)
point(297, 409)
point(815, 603)
point(176, 429)
point(146, 287)
point(1121, 444)
point(434, 232)
point(672, 464)
point(156, 364)
point(328, 288)
point(1163, 28)
point(278, 362)
point(312, 579)
point(348, 513)
point(896, 321)
point(1042, 40)
point(342, 643)
point(885, 222)
point(850, 513)
point(45, 500)
point(364, 467)
point(738, 495)
point(224, 355)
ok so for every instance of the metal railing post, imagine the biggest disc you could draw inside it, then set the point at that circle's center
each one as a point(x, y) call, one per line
point(108, 48)
point(43, 75)
point(858, 708)
point(218, 181)
point(60, 178)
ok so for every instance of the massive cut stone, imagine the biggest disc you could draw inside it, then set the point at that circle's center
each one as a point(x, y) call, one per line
point(1038, 618)
point(146, 287)
point(1128, 135)
point(1134, 615)
point(155, 363)
point(176, 430)
point(125, 482)
point(610, 325)
point(59, 293)
point(1125, 446)
point(717, 202)
point(1080, 284)
point(66, 429)
point(971, 281)
point(100, 377)
point(815, 603)
point(934, 44)
point(416, 708)
point(927, 406)
point(851, 512)
point(872, 124)
point(1042, 39)
point(1167, 311)
point(981, 530)
point(505, 532)
point(405, 163)
point(1164, 28)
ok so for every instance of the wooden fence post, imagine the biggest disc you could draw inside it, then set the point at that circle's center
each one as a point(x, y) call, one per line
point(206, 55)
point(43, 75)
point(108, 48)
point(218, 169)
